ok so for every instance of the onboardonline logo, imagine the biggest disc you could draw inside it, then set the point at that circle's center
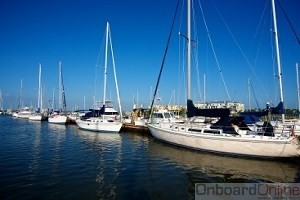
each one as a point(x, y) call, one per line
point(247, 191)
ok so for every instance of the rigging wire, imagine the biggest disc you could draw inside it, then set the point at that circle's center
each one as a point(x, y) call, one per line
point(240, 49)
point(115, 75)
point(195, 56)
point(252, 89)
point(179, 54)
point(289, 22)
point(97, 75)
point(198, 72)
point(164, 58)
point(181, 70)
point(214, 52)
point(257, 30)
point(260, 22)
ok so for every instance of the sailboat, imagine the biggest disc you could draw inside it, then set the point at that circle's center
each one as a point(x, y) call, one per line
point(105, 119)
point(39, 115)
point(59, 117)
point(15, 113)
point(22, 112)
point(229, 135)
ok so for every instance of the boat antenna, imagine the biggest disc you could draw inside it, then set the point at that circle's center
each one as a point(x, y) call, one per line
point(164, 58)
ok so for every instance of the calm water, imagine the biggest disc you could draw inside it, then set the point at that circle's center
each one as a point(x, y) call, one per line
point(46, 161)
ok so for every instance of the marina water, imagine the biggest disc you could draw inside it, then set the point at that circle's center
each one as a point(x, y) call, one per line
point(39, 160)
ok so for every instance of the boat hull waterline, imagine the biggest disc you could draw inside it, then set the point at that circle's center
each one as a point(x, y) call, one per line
point(37, 117)
point(107, 126)
point(252, 146)
point(58, 119)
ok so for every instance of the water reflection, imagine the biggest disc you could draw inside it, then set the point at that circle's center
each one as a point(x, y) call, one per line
point(35, 151)
point(228, 169)
point(58, 137)
point(108, 148)
point(58, 128)
point(48, 161)
point(97, 137)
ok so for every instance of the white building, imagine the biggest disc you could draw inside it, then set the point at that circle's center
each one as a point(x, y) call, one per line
point(235, 107)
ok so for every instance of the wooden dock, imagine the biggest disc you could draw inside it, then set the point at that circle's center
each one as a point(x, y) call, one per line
point(135, 128)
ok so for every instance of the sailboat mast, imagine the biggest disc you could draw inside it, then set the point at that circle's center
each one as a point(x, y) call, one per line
point(20, 95)
point(277, 54)
point(39, 92)
point(105, 64)
point(204, 89)
point(59, 87)
point(53, 99)
point(298, 95)
point(1, 100)
point(150, 95)
point(188, 49)
point(42, 95)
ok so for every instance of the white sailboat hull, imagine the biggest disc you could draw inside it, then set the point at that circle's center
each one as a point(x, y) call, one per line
point(24, 115)
point(57, 119)
point(100, 125)
point(245, 145)
point(37, 117)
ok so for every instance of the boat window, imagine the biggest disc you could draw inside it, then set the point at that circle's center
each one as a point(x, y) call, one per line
point(205, 130)
point(211, 131)
point(168, 115)
point(158, 115)
point(111, 113)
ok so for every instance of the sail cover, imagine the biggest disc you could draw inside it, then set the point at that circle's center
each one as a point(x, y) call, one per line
point(215, 112)
point(273, 110)
point(95, 112)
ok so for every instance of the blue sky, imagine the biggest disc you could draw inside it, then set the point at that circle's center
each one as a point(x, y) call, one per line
point(44, 31)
